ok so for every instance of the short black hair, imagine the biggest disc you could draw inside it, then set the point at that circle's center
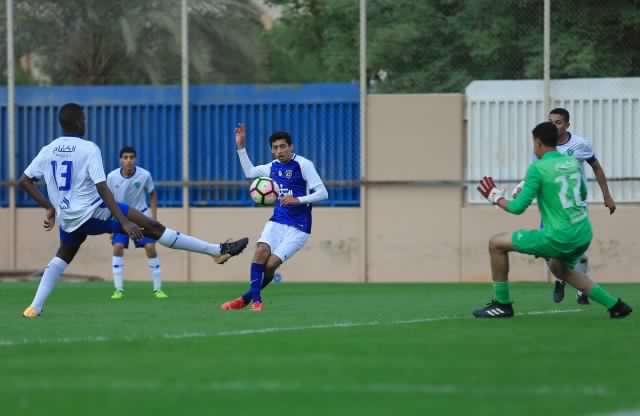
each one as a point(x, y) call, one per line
point(69, 116)
point(562, 112)
point(127, 149)
point(547, 133)
point(280, 135)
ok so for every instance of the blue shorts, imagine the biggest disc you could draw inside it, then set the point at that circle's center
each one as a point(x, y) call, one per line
point(120, 238)
point(93, 226)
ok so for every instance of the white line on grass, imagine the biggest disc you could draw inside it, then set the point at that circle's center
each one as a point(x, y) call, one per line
point(273, 386)
point(257, 331)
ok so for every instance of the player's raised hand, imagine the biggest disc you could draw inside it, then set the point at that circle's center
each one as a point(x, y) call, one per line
point(133, 231)
point(489, 190)
point(241, 136)
point(50, 219)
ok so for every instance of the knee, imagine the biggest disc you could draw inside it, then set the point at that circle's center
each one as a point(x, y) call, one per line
point(263, 251)
point(496, 243)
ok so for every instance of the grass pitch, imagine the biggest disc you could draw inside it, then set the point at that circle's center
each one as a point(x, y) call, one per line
point(317, 349)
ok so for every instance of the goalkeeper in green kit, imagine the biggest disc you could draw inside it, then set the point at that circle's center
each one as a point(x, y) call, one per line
point(556, 181)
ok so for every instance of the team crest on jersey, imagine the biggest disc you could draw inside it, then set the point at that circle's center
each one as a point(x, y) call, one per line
point(288, 173)
point(137, 185)
point(570, 152)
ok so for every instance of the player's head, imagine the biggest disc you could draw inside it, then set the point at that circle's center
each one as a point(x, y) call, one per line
point(545, 138)
point(128, 158)
point(560, 117)
point(281, 146)
point(71, 118)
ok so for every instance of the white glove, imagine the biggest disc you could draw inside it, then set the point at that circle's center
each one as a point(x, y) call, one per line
point(517, 190)
point(489, 190)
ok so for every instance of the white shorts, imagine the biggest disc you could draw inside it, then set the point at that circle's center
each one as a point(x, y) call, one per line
point(284, 240)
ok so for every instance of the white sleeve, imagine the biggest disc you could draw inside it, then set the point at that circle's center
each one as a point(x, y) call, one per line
point(585, 152)
point(95, 168)
point(148, 186)
point(249, 170)
point(35, 170)
point(110, 181)
point(314, 183)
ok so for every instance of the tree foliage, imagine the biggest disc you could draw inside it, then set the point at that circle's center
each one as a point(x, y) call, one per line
point(442, 45)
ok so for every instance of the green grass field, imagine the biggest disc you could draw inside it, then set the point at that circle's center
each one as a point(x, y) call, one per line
point(317, 349)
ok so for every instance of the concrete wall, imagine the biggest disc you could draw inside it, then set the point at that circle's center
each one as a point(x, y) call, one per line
point(416, 234)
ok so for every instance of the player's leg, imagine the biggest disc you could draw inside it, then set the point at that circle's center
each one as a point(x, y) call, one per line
point(154, 268)
point(565, 269)
point(270, 270)
point(500, 307)
point(292, 241)
point(180, 241)
point(69, 246)
point(272, 235)
point(583, 267)
point(119, 242)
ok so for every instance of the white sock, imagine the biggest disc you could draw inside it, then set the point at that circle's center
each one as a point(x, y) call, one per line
point(154, 268)
point(52, 273)
point(583, 267)
point(174, 239)
point(117, 269)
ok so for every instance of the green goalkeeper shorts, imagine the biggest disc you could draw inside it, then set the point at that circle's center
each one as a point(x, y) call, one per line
point(537, 244)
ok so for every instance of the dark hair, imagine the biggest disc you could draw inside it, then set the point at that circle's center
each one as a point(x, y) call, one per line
point(280, 135)
point(127, 149)
point(561, 111)
point(69, 117)
point(547, 133)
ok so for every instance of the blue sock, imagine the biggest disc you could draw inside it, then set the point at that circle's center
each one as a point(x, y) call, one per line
point(257, 272)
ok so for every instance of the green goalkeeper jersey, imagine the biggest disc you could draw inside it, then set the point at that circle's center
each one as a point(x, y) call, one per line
point(556, 181)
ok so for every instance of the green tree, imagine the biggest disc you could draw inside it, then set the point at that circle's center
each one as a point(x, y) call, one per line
point(122, 41)
point(442, 45)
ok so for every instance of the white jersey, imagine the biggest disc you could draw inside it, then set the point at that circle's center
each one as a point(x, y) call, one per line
point(577, 147)
point(132, 190)
point(71, 167)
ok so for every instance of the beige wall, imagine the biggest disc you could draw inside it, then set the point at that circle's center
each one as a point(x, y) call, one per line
point(414, 233)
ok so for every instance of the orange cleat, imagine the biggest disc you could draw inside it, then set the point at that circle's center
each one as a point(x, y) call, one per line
point(30, 313)
point(256, 307)
point(235, 304)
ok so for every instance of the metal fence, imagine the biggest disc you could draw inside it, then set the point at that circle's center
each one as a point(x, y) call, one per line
point(322, 118)
point(606, 111)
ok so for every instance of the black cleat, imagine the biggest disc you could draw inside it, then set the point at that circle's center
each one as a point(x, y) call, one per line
point(558, 291)
point(229, 249)
point(582, 298)
point(495, 309)
point(619, 310)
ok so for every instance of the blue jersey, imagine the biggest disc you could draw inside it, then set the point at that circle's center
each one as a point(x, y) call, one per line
point(298, 177)
point(291, 181)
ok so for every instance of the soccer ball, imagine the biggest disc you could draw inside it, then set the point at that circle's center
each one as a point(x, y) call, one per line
point(264, 191)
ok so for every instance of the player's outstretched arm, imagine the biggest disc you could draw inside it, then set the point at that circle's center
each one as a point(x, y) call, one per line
point(601, 178)
point(107, 197)
point(28, 185)
point(250, 171)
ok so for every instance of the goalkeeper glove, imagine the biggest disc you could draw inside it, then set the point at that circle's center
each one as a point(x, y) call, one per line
point(489, 190)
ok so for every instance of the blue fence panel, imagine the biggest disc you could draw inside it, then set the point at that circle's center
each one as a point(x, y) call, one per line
point(148, 118)
point(323, 120)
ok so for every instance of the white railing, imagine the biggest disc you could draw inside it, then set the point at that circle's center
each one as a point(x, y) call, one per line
point(501, 114)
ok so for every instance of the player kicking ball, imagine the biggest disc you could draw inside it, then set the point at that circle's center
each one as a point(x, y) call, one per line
point(290, 225)
point(556, 181)
point(132, 185)
point(81, 202)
